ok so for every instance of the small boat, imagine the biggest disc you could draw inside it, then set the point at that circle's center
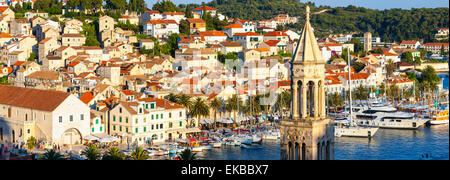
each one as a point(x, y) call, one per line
point(439, 117)
point(159, 153)
point(245, 146)
point(247, 141)
point(206, 147)
point(236, 143)
point(197, 149)
point(256, 139)
point(216, 144)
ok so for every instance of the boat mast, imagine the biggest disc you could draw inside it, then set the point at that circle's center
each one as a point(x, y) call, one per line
point(350, 85)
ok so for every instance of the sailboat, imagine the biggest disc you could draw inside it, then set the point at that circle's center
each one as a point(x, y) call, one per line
point(348, 128)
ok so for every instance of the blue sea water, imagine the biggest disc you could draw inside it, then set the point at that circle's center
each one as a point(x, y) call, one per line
point(388, 144)
point(445, 80)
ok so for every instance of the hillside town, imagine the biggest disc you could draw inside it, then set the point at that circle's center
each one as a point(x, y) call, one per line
point(61, 89)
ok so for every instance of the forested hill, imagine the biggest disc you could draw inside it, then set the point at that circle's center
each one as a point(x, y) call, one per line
point(391, 24)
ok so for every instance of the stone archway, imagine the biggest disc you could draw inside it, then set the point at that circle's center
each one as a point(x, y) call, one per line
point(71, 136)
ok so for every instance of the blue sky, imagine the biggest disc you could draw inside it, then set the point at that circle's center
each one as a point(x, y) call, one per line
point(372, 4)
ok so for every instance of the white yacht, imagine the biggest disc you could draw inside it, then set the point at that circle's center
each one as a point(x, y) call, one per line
point(343, 128)
point(347, 127)
point(387, 117)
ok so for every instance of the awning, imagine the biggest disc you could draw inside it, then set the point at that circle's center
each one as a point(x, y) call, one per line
point(104, 138)
point(91, 138)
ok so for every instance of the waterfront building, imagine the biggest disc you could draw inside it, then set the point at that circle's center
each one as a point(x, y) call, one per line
point(51, 116)
point(149, 119)
point(308, 134)
point(436, 47)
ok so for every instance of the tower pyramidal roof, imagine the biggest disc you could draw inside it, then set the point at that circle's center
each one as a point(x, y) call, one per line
point(307, 48)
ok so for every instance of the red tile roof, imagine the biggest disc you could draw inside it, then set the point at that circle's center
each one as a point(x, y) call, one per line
point(45, 100)
point(276, 33)
point(86, 97)
point(247, 34)
point(231, 26)
point(162, 21)
point(200, 8)
point(212, 33)
point(195, 20)
point(409, 42)
point(272, 42)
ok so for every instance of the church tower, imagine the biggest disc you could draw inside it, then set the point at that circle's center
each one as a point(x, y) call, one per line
point(308, 134)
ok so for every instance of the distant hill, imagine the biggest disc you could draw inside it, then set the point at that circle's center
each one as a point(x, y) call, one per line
point(391, 24)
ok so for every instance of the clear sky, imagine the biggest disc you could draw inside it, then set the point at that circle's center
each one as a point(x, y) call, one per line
point(372, 4)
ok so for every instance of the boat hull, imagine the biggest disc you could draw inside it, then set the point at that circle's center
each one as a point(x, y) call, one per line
point(439, 122)
point(366, 132)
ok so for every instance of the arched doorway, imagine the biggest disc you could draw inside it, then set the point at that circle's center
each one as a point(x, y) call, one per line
point(71, 136)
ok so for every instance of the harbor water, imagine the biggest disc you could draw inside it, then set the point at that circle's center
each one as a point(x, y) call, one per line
point(445, 80)
point(388, 144)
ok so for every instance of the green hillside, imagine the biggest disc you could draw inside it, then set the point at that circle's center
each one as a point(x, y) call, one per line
point(392, 24)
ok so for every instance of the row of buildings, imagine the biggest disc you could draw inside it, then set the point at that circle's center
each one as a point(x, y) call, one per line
point(115, 90)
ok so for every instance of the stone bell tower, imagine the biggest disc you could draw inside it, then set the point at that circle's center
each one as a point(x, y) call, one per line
point(308, 134)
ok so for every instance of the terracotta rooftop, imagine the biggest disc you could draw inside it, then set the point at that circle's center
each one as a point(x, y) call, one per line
point(195, 20)
point(45, 100)
point(200, 8)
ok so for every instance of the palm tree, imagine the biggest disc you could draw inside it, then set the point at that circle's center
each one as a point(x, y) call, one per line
point(172, 97)
point(417, 61)
point(185, 100)
point(390, 67)
point(335, 101)
point(113, 154)
point(233, 104)
point(51, 155)
point(187, 155)
point(31, 142)
point(360, 92)
point(91, 152)
point(139, 154)
point(253, 107)
point(199, 108)
point(216, 105)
